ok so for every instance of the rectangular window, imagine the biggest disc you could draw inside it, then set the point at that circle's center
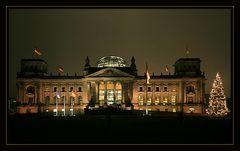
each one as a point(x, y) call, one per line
point(174, 100)
point(63, 89)
point(165, 89)
point(55, 89)
point(71, 89)
point(79, 89)
point(149, 101)
point(165, 100)
point(140, 100)
point(157, 89)
point(140, 89)
point(101, 95)
point(157, 100)
point(149, 89)
point(119, 95)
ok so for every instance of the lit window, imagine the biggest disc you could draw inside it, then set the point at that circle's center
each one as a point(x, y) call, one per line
point(174, 100)
point(165, 100)
point(101, 95)
point(119, 95)
point(149, 101)
point(118, 91)
point(140, 100)
point(157, 100)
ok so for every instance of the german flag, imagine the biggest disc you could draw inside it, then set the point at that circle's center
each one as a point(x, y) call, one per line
point(147, 74)
point(37, 51)
point(166, 69)
point(60, 69)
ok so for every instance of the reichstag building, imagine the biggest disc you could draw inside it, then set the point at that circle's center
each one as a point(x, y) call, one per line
point(112, 82)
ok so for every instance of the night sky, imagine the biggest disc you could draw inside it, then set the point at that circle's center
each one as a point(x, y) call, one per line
point(156, 36)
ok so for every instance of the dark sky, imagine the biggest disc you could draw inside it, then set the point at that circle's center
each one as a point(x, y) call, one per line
point(156, 36)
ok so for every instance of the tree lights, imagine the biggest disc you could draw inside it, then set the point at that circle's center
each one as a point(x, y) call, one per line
point(217, 100)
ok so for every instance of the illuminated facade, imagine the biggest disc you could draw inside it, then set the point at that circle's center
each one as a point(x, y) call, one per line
point(112, 82)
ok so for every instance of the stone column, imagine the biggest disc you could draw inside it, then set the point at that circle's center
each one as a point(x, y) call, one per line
point(105, 92)
point(93, 91)
point(35, 94)
point(123, 92)
point(145, 93)
point(180, 97)
point(153, 93)
point(88, 92)
point(130, 91)
point(24, 91)
point(114, 91)
point(18, 92)
point(184, 93)
point(97, 92)
point(51, 94)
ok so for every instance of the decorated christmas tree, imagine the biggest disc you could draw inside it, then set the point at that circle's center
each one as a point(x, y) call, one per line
point(217, 100)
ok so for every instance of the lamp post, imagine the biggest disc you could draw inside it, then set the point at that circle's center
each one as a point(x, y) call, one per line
point(64, 105)
point(56, 106)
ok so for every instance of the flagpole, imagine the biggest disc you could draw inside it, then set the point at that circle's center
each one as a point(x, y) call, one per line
point(146, 100)
point(147, 82)
point(146, 91)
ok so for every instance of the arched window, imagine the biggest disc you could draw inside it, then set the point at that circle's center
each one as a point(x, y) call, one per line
point(30, 89)
point(110, 92)
point(118, 90)
point(190, 89)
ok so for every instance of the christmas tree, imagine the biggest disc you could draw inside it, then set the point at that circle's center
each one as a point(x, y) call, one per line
point(217, 100)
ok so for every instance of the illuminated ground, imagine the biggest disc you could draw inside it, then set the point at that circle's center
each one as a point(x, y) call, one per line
point(125, 129)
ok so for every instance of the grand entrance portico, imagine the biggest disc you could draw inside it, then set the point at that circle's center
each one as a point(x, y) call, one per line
point(109, 86)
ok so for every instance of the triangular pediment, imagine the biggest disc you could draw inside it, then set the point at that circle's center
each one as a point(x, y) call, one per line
point(109, 72)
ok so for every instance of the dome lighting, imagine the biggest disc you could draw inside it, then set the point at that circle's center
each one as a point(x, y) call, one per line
point(111, 61)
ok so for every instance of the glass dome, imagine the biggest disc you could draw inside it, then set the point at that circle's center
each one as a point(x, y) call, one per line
point(111, 61)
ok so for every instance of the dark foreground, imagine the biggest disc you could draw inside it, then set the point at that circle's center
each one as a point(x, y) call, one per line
point(118, 129)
